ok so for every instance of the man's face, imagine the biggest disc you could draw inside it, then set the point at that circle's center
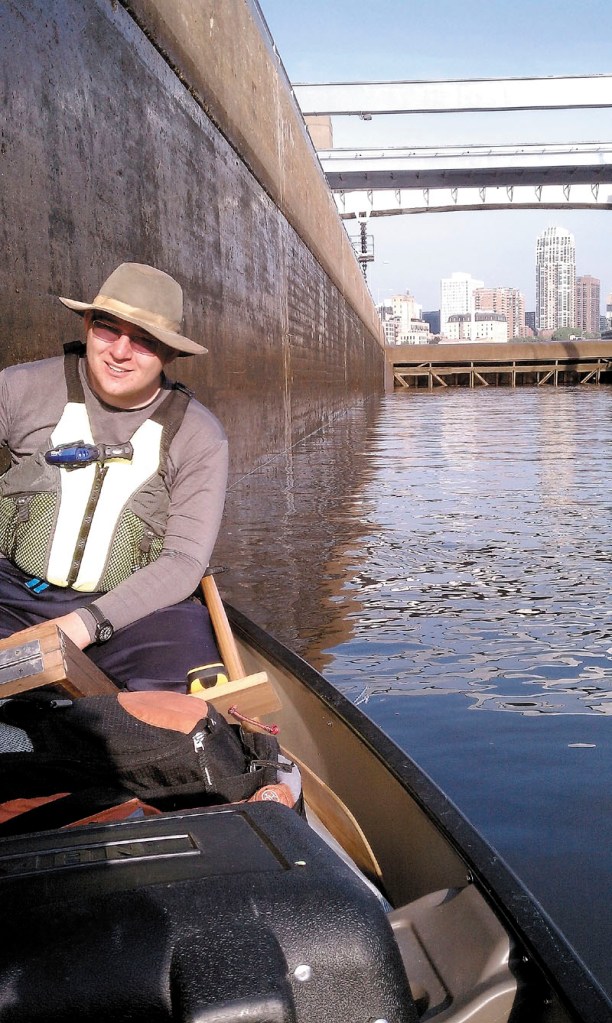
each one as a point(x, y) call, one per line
point(124, 363)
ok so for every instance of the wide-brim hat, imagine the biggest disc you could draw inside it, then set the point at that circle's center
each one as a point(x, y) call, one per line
point(146, 297)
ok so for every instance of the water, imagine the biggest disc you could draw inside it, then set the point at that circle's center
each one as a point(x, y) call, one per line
point(445, 559)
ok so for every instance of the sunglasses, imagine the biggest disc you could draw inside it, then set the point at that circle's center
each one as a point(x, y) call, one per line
point(109, 332)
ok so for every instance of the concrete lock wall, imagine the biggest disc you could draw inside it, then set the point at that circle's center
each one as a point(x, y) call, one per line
point(167, 133)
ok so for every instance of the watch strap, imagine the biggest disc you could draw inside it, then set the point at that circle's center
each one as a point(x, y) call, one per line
point(101, 621)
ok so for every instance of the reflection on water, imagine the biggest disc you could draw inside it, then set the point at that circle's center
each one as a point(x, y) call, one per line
point(442, 553)
point(485, 558)
point(286, 525)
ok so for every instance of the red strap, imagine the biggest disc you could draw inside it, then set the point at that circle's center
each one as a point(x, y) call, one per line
point(117, 813)
point(15, 807)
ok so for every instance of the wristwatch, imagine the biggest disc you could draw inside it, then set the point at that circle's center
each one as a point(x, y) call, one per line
point(104, 629)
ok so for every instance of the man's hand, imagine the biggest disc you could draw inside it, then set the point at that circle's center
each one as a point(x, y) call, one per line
point(73, 627)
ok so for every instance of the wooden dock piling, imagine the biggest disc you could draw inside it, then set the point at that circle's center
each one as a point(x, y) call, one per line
point(538, 363)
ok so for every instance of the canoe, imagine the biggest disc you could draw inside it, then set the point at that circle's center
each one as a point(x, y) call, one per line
point(385, 906)
point(494, 952)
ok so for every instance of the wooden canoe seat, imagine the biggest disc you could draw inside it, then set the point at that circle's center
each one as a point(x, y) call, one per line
point(42, 655)
point(253, 696)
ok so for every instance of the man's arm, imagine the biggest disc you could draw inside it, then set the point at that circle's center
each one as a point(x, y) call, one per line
point(74, 627)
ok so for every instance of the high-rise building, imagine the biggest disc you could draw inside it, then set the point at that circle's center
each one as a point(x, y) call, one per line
point(433, 319)
point(588, 303)
point(401, 321)
point(509, 302)
point(390, 323)
point(412, 329)
point(555, 279)
point(457, 296)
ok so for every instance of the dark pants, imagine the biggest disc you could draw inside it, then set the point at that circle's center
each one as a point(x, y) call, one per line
point(153, 653)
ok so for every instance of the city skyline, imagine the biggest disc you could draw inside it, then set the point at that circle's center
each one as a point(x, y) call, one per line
point(348, 41)
point(490, 270)
point(471, 310)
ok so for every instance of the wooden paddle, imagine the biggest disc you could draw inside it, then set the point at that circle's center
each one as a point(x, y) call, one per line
point(255, 693)
point(223, 631)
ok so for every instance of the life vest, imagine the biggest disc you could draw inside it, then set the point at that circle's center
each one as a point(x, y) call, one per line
point(90, 527)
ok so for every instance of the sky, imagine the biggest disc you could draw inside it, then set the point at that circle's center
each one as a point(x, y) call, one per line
point(407, 40)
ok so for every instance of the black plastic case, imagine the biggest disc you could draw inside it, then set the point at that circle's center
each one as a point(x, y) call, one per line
point(225, 914)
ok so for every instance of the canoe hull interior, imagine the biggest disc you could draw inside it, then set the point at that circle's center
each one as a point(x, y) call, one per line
point(415, 858)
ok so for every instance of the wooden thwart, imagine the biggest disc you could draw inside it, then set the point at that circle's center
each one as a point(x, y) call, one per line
point(253, 696)
point(42, 655)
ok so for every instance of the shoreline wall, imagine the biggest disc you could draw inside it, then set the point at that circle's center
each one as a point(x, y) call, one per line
point(227, 58)
point(167, 133)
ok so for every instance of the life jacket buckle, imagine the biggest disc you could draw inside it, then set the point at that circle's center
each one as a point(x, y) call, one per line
point(36, 586)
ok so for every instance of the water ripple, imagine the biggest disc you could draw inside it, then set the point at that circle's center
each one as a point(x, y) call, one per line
point(485, 564)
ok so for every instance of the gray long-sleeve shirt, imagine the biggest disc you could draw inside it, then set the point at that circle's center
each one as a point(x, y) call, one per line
point(32, 398)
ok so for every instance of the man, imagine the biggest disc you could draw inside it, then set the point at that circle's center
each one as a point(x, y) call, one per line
point(111, 507)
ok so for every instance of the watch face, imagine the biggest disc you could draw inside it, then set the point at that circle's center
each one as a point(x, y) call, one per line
point(104, 632)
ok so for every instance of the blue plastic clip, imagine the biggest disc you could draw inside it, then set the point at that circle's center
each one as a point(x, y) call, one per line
point(36, 586)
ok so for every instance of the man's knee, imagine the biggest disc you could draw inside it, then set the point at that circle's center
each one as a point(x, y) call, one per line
point(168, 650)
